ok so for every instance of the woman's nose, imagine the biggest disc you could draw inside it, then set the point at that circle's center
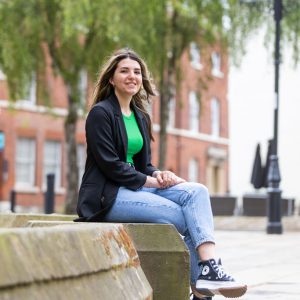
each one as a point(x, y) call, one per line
point(131, 74)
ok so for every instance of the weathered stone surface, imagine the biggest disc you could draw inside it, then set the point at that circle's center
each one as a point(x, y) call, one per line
point(163, 255)
point(20, 220)
point(86, 261)
point(164, 259)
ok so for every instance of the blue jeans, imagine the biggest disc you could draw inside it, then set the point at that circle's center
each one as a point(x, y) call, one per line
point(185, 205)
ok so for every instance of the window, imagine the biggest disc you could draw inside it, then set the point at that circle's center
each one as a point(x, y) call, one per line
point(81, 155)
point(216, 64)
point(215, 117)
point(30, 94)
point(194, 112)
point(52, 162)
point(32, 91)
point(25, 162)
point(2, 75)
point(195, 57)
point(172, 107)
point(193, 170)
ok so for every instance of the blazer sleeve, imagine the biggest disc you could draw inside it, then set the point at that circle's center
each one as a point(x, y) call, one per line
point(99, 133)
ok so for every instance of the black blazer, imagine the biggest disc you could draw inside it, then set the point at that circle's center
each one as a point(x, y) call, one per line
point(106, 168)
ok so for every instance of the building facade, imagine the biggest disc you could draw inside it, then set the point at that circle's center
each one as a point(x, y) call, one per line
point(32, 142)
point(197, 133)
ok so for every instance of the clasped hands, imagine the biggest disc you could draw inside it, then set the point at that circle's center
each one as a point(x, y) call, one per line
point(163, 179)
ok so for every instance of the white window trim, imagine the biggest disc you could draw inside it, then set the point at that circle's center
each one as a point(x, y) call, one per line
point(60, 112)
point(216, 70)
point(193, 166)
point(215, 104)
point(2, 75)
point(172, 113)
point(22, 188)
point(194, 110)
point(194, 135)
point(26, 186)
point(195, 64)
point(31, 100)
point(58, 188)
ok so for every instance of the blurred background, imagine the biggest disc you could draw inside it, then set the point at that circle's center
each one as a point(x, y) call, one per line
point(212, 63)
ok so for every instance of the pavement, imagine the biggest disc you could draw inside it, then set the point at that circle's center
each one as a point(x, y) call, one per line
point(268, 263)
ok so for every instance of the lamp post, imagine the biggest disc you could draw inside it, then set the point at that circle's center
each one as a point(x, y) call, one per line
point(274, 225)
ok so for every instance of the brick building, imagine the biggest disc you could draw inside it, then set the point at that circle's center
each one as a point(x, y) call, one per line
point(32, 134)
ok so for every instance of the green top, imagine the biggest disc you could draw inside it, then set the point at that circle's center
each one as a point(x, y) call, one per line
point(134, 136)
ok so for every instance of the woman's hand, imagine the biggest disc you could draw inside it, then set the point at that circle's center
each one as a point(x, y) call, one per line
point(152, 182)
point(167, 178)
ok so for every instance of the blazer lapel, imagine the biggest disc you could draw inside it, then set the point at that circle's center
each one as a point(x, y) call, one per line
point(120, 123)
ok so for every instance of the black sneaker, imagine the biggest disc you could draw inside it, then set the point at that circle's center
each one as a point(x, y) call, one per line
point(213, 281)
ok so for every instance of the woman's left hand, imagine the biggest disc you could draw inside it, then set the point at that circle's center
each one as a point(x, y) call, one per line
point(167, 178)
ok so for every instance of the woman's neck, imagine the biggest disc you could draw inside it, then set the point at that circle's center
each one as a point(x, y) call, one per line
point(124, 104)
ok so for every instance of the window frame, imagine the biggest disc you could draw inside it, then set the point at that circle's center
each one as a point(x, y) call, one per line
point(215, 107)
point(194, 112)
point(29, 158)
point(57, 163)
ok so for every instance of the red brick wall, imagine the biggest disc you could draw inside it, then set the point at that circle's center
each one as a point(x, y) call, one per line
point(181, 149)
point(42, 127)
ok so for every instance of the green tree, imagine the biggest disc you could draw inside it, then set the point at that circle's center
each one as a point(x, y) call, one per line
point(79, 34)
point(247, 16)
point(163, 29)
point(76, 36)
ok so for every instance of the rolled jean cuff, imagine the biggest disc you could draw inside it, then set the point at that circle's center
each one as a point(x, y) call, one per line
point(205, 240)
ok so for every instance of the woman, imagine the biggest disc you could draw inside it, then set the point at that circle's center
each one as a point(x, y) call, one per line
point(121, 185)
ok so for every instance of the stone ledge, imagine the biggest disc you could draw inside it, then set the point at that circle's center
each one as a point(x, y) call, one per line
point(163, 255)
point(71, 261)
point(20, 220)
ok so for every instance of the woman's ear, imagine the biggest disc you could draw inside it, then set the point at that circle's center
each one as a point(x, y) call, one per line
point(111, 82)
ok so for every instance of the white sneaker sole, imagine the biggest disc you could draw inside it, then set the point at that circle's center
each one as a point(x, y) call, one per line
point(227, 289)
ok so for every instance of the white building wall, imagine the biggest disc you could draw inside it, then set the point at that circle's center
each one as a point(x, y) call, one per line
point(251, 103)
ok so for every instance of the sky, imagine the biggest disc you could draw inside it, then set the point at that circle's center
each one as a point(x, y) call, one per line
point(251, 117)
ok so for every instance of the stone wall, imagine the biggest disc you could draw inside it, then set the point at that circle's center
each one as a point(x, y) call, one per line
point(86, 261)
point(162, 255)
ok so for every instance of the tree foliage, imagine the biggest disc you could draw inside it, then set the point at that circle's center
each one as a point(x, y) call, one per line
point(80, 34)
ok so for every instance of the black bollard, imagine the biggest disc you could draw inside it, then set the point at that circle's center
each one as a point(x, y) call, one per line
point(12, 200)
point(274, 198)
point(49, 194)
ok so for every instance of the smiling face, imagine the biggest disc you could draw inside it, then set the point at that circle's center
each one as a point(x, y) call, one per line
point(127, 79)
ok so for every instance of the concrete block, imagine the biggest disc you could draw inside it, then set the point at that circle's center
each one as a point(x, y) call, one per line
point(20, 220)
point(164, 259)
point(86, 261)
point(163, 255)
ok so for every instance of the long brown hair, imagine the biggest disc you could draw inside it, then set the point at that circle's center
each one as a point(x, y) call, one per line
point(104, 88)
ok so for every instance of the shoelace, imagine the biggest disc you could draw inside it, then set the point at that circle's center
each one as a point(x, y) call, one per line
point(221, 273)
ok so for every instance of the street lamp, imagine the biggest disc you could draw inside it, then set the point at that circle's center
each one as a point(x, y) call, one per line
point(274, 192)
point(274, 225)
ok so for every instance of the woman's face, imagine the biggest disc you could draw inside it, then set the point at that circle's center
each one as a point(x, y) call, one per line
point(127, 79)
